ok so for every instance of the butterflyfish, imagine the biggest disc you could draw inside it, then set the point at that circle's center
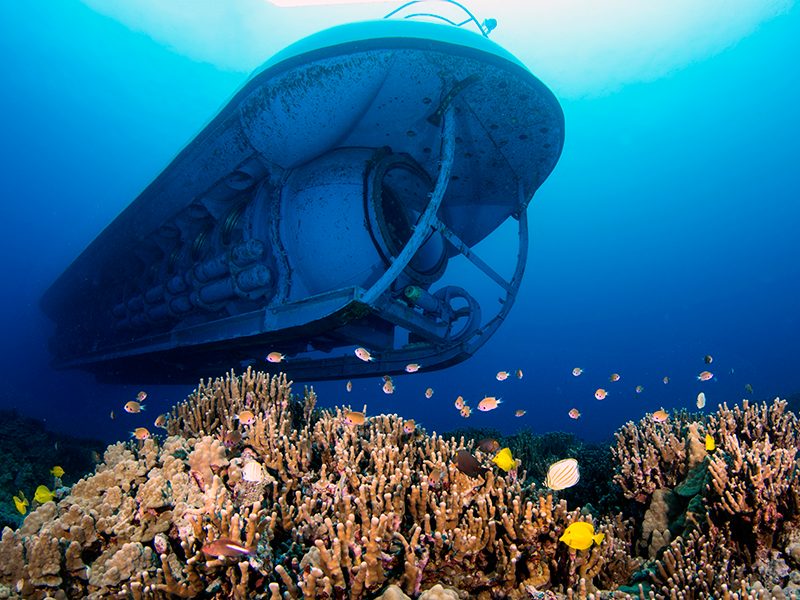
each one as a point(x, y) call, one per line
point(275, 357)
point(253, 472)
point(489, 403)
point(140, 433)
point(562, 474)
point(133, 407)
point(502, 376)
point(468, 464)
point(705, 376)
point(701, 400)
point(710, 445)
point(42, 494)
point(580, 536)
point(364, 354)
point(225, 547)
point(56, 471)
point(504, 460)
point(412, 368)
point(600, 394)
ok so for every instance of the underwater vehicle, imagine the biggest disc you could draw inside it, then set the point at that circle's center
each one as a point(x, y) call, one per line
point(319, 210)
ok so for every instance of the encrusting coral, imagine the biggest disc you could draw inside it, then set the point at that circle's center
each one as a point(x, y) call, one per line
point(257, 494)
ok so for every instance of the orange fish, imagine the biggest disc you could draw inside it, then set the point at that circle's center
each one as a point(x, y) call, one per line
point(140, 433)
point(409, 426)
point(349, 386)
point(707, 359)
point(489, 403)
point(518, 373)
point(161, 421)
point(705, 376)
point(666, 379)
point(600, 394)
point(660, 416)
point(502, 376)
point(519, 413)
point(232, 438)
point(354, 418)
point(466, 411)
point(225, 547)
point(412, 368)
point(749, 388)
point(388, 387)
point(614, 377)
point(364, 354)
point(275, 357)
point(460, 402)
point(141, 396)
point(112, 414)
point(429, 392)
point(639, 389)
point(246, 417)
point(574, 413)
point(387, 377)
point(577, 371)
point(133, 407)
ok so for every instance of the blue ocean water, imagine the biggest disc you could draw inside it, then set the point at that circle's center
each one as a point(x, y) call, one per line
point(668, 230)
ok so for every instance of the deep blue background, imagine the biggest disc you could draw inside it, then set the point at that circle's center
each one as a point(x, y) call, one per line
point(669, 229)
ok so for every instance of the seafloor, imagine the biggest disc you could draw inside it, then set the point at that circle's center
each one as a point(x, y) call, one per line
point(697, 506)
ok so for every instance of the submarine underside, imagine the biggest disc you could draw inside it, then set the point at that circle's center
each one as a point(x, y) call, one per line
point(319, 211)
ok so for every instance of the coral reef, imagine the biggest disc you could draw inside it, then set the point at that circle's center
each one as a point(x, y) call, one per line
point(255, 493)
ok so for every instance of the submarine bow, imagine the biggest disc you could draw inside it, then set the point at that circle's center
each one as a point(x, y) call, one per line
point(318, 211)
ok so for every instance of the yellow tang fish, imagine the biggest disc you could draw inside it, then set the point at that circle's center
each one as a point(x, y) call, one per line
point(21, 503)
point(42, 494)
point(580, 536)
point(56, 471)
point(504, 460)
point(710, 445)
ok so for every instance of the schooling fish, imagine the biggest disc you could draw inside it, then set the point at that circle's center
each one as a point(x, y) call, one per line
point(518, 373)
point(246, 417)
point(161, 421)
point(429, 393)
point(660, 416)
point(460, 402)
point(409, 426)
point(140, 433)
point(412, 368)
point(489, 403)
point(574, 413)
point(133, 407)
point(600, 394)
point(502, 376)
point(666, 379)
point(354, 418)
point(639, 389)
point(466, 411)
point(749, 388)
point(577, 371)
point(349, 386)
point(520, 413)
point(614, 377)
point(701, 400)
point(707, 359)
point(141, 396)
point(705, 376)
point(275, 357)
point(388, 387)
point(364, 354)
point(57, 471)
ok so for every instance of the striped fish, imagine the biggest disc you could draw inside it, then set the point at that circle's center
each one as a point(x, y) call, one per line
point(562, 474)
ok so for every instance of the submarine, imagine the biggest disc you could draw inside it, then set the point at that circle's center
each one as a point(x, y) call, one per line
point(322, 210)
